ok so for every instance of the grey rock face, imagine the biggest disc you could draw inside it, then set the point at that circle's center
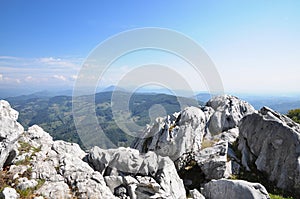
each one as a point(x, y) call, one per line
point(55, 190)
point(9, 193)
point(183, 136)
point(271, 141)
point(160, 176)
point(175, 135)
point(196, 194)
point(213, 161)
point(10, 130)
point(82, 178)
point(234, 189)
point(229, 110)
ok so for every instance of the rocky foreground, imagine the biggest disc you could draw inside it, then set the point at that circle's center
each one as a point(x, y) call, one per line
point(208, 152)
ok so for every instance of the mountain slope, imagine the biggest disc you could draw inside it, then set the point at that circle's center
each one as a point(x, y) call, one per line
point(54, 114)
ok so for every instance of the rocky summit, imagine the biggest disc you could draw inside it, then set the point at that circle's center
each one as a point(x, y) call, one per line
point(225, 149)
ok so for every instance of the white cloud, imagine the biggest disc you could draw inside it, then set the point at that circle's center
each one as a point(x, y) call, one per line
point(9, 57)
point(60, 77)
point(1, 77)
point(74, 77)
point(56, 62)
point(29, 78)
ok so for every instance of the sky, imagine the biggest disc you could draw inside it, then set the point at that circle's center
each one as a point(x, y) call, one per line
point(255, 45)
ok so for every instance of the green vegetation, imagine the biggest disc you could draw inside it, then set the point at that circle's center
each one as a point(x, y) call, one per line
point(294, 115)
point(6, 178)
point(272, 196)
point(25, 147)
point(54, 114)
point(29, 192)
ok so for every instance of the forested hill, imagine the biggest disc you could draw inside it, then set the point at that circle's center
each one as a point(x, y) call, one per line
point(54, 114)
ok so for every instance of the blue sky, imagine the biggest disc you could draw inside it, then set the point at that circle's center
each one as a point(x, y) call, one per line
point(254, 44)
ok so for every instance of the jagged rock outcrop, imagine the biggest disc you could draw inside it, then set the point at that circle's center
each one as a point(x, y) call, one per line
point(228, 111)
point(270, 142)
point(175, 135)
point(10, 130)
point(145, 175)
point(195, 145)
point(41, 166)
point(56, 169)
point(234, 189)
point(198, 135)
point(213, 161)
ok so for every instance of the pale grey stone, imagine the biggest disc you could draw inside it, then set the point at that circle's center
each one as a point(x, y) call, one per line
point(234, 189)
point(272, 142)
point(9, 193)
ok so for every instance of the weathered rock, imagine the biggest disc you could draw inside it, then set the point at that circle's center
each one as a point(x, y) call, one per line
point(113, 182)
point(37, 137)
point(213, 161)
point(126, 161)
point(174, 136)
point(234, 189)
point(10, 130)
point(121, 192)
point(55, 190)
point(196, 194)
point(9, 193)
point(24, 183)
point(62, 147)
point(229, 110)
point(82, 178)
point(230, 135)
point(271, 141)
point(17, 171)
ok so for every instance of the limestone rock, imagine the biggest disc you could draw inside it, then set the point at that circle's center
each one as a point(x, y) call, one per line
point(229, 110)
point(10, 130)
point(9, 193)
point(196, 194)
point(213, 161)
point(82, 178)
point(163, 180)
point(55, 190)
point(271, 141)
point(62, 147)
point(174, 136)
point(234, 189)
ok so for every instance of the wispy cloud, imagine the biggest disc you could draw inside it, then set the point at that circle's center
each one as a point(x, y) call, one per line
point(50, 61)
point(9, 57)
point(60, 77)
point(39, 72)
point(40, 62)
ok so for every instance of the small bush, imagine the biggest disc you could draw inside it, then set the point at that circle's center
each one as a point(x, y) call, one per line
point(294, 115)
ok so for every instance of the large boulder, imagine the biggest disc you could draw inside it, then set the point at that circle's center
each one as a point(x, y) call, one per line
point(175, 135)
point(10, 130)
point(162, 179)
point(213, 161)
point(270, 142)
point(234, 189)
point(228, 111)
